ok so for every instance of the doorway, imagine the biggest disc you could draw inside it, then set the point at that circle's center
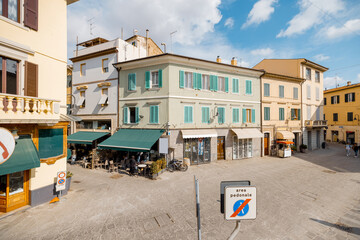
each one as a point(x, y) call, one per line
point(318, 139)
point(309, 140)
point(221, 148)
point(266, 143)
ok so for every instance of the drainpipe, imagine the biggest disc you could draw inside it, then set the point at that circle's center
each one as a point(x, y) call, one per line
point(261, 124)
point(302, 113)
point(118, 98)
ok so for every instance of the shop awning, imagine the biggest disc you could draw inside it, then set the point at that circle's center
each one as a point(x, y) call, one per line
point(248, 133)
point(285, 142)
point(199, 133)
point(284, 135)
point(24, 157)
point(83, 137)
point(132, 140)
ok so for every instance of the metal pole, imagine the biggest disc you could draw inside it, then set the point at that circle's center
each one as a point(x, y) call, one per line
point(197, 206)
point(236, 231)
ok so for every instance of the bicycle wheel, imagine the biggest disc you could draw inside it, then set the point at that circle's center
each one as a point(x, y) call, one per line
point(183, 168)
point(171, 168)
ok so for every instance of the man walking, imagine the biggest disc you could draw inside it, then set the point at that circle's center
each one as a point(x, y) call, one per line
point(347, 147)
point(356, 150)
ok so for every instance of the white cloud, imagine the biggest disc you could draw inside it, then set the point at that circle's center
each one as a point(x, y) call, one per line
point(263, 52)
point(321, 57)
point(260, 12)
point(350, 27)
point(358, 77)
point(333, 82)
point(229, 22)
point(312, 13)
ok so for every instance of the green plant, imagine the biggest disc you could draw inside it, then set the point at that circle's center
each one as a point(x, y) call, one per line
point(154, 168)
point(69, 174)
point(303, 146)
point(163, 163)
point(293, 147)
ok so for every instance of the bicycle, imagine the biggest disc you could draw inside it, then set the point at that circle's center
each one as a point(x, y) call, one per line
point(176, 164)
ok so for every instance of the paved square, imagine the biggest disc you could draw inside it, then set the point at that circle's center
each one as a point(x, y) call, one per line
point(308, 196)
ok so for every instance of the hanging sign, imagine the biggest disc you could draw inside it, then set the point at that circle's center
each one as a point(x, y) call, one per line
point(7, 145)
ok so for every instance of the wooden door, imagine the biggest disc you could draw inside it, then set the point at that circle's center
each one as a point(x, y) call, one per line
point(221, 148)
point(266, 143)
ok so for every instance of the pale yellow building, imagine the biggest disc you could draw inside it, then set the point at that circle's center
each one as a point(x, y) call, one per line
point(341, 110)
point(281, 110)
point(33, 47)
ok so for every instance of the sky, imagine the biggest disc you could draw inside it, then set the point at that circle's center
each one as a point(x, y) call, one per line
point(324, 31)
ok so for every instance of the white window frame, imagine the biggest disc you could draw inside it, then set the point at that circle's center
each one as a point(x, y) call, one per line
point(188, 80)
point(105, 65)
point(81, 102)
point(307, 76)
point(104, 97)
point(82, 69)
point(308, 91)
point(205, 78)
point(308, 110)
point(152, 80)
point(221, 82)
point(317, 76)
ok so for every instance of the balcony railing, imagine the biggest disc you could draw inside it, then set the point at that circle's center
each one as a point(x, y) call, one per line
point(315, 123)
point(22, 109)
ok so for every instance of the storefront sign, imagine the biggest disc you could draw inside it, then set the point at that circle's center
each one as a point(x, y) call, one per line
point(240, 203)
point(61, 181)
point(7, 145)
point(163, 145)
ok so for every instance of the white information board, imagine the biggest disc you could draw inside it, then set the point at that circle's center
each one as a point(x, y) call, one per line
point(61, 181)
point(240, 203)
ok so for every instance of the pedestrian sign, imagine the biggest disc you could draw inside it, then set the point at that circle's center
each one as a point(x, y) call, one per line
point(240, 203)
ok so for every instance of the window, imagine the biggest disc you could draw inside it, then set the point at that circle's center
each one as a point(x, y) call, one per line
point(235, 85)
point(317, 94)
point(281, 114)
point(154, 114)
point(213, 83)
point(221, 115)
point(236, 115)
point(81, 101)
point(317, 113)
point(131, 115)
point(30, 14)
point(133, 43)
point(350, 116)
point(205, 114)
point(221, 83)
point(248, 115)
point(104, 97)
point(295, 114)
point(153, 79)
point(281, 91)
point(188, 80)
point(350, 97)
point(83, 69)
point(205, 82)
point(188, 114)
point(248, 86)
point(317, 76)
point(324, 101)
point(266, 90)
point(295, 93)
point(308, 110)
point(10, 9)
point(308, 92)
point(132, 81)
point(335, 117)
point(51, 142)
point(266, 113)
point(308, 74)
point(8, 76)
point(335, 99)
point(105, 65)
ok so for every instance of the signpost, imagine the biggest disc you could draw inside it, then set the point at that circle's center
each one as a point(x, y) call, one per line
point(61, 181)
point(7, 145)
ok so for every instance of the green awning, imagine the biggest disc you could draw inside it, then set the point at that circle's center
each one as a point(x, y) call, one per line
point(85, 137)
point(133, 140)
point(25, 157)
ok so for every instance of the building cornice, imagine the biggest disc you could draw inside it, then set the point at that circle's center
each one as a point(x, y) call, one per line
point(94, 54)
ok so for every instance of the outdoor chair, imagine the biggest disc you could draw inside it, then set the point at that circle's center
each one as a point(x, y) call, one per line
point(106, 164)
point(113, 167)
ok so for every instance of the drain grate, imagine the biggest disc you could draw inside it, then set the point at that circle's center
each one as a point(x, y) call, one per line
point(343, 227)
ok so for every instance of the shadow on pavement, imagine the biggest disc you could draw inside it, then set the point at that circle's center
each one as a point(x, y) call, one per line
point(340, 226)
point(333, 158)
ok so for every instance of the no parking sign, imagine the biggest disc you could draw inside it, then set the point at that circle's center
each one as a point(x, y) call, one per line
point(61, 181)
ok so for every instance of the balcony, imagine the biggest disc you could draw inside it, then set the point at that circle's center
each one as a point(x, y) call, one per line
point(315, 123)
point(21, 109)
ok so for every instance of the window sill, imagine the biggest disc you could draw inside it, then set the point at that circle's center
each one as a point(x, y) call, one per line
point(131, 123)
point(153, 89)
point(12, 22)
point(154, 123)
point(131, 91)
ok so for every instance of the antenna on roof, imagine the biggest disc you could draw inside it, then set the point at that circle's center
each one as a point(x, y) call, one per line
point(171, 34)
point(91, 25)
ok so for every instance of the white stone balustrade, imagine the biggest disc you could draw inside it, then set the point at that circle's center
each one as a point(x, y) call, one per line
point(23, 109)
point(315, 123)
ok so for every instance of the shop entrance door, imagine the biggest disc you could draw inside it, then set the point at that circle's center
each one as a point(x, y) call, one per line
point(266, 143)
point(309, 140)
point(221, 148)
point(318, 139)
point(197, 150)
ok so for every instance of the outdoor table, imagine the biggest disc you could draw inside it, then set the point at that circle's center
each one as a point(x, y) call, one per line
point(142, 168)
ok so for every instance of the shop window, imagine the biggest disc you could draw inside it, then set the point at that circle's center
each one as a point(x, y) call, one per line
point(188, 114)
point(205, 115)
point(3, 184)
point(205, 82)
point(8, 75)
point(131, 115)
point(308, 74)
point(295, 114)
point(350, 97)
point(266, 90)
point(16, 183)
point(104, 97)
point(10, 9)
point(105, 65)
point(154, 114)
point(197, 150)
point(51, 142)
point(83, 69)
point(242, 148)
point(132, 81)
point(235, 85)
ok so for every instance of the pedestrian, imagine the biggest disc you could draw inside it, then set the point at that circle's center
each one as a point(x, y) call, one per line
point(132, 165)
point(347, 147)
point(356, 150)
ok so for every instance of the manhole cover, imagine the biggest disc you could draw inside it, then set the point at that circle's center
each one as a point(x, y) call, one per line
point(343, 227)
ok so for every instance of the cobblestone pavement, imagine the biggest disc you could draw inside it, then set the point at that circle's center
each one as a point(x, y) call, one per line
point(308, 196)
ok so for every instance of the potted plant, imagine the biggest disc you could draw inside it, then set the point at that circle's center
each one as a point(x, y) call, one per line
point(303, 148)
point(293, 148)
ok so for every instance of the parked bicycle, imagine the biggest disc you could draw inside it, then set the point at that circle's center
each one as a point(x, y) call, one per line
point(177, 165)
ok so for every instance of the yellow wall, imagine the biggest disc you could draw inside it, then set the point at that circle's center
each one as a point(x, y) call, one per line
point(288, 67)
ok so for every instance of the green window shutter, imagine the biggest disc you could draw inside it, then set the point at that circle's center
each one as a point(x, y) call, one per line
point(134, 81)
point(281, 113)
point(235, 87)
point(191, 114)
point(208, 114)
point(226, 84)
point(292, 114)
point(216, 84)
point(199, 84)
point(266, 113)
point(235, 115)
point(147, 79)
point(247, 87)
point(160, 78)
point(266, 90)
point(152, 114)
point(211, 83)
point(244, 115)
point(181, 77)
point(137, 114)
point(299, 111)
point(126, 110)
point(156, 114)
point(129, 81)
point(205, 115)
point(194, 81)
point(221, 116)
point(253, 115)
point(188, 118)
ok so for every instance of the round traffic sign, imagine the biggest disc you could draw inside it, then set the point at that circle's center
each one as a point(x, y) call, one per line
point(7, 145)
point(61, 181)
point(62, 175)
point(243, 211)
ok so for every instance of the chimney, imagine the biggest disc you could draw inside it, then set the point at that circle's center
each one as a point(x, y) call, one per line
point(218, 59)
point(135, 31)
point(348, 83)
point(234, 61)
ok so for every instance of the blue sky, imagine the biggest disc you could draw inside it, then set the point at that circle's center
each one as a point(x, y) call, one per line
point(324, 31)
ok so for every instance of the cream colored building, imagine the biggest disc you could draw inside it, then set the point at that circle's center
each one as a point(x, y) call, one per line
point(341, 110)
point(207, 110)
point(33, 46)
point(281, 110)
point(312, 122)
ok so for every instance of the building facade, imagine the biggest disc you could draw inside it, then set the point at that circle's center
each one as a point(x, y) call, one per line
point(312, 122)
point(32, 99)
point(341, 111)
point(95, 82)
point(281, 110)
point(209, 111)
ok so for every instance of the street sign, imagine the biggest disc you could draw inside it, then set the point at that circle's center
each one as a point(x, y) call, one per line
point(7, 145)
point(61, 181)
point(224, 184)
point(240, 202)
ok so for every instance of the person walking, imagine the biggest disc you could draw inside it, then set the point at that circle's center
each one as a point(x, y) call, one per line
point(356, 150)
point(347, 147)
